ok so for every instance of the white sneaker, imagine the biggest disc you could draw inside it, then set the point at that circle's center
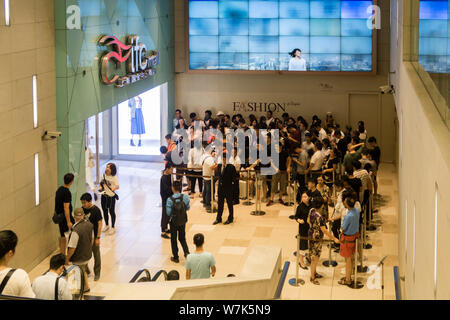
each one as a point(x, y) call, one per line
point(106, 228)
point(112, 231)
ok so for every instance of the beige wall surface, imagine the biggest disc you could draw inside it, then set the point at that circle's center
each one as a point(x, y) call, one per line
point(27, 49)
point(304, 95)
point(424, 175)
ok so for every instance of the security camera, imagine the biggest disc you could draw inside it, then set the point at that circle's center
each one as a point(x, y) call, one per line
point(387, 89)
point(50, 135)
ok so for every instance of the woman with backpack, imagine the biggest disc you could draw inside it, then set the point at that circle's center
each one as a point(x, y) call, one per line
point(176, 208)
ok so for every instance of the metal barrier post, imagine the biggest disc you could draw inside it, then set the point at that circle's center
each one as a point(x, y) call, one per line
point(290, 203)
point(361, 267)
point(258, 184)
point(329, 263)
point(248, 202)
point(371, 227)
point(356, 283)
point(296, 282)
point(364, 231)
point(213, 208)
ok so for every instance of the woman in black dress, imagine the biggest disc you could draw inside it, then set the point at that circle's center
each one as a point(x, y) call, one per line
point(301, 216)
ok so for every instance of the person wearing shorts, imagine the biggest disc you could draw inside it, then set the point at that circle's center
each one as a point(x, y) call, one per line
point(350, 232)
point(63, 206)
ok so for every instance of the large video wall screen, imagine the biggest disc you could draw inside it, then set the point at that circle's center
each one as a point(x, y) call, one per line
point(333, 35)
point(434, 35)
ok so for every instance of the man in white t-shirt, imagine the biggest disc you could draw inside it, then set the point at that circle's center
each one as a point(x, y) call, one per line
point(322, 132)
point(45, 285)
point(208, 166)
point(315, 166)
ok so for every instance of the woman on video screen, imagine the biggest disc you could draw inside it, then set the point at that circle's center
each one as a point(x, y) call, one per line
point(297, 63)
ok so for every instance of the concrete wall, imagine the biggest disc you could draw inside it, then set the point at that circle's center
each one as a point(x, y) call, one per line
point(27, 48)
point(198, 92)
point(257, 281)
point(424, 173)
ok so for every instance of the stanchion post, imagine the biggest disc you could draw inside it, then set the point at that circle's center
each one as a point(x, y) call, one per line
point(356, 264)
point(382, 281)
point(329, 262)
point(248, 202)
point(258, 211)
point(290, 188)
point(296, 281)
point(213, 209)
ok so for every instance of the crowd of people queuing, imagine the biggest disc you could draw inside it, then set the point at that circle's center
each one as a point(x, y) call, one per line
point(334, 168)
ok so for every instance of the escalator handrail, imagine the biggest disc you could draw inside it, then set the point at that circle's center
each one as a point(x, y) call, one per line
point(138, 274)
point(282, 281)
point(158, 274)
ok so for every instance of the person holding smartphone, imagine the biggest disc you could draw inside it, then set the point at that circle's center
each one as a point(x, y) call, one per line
point(108, 187)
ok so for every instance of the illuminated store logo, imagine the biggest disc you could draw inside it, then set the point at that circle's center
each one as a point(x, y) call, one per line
point(139, 65)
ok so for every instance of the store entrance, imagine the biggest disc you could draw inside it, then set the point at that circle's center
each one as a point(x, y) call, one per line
point(133, 130)
point(139, 125)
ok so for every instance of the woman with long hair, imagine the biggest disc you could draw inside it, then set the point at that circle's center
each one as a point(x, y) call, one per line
point(108, 187)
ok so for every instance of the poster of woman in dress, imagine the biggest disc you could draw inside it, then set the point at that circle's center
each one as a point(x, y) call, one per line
point(137, 119)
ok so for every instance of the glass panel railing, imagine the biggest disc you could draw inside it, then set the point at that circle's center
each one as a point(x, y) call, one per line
point(432, 29)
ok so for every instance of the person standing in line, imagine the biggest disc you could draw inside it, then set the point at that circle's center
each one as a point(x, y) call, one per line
point(45, 286)
point(200, 264)
point(316, 231)
point(81, 240)
point(301, 216)
point(108, 187)
point(94, 215)
point(13, 282)
point(165, 190)
point(315, 166)
point(339, 210)
point(350, 232)
point(176, 208)
point(177, 118)
point(208, 167)
point(63, 206)
point(195, 167)
point(227, 177)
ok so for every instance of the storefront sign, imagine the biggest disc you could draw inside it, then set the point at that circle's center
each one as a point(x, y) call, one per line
point(263, 106)
point(139, 65)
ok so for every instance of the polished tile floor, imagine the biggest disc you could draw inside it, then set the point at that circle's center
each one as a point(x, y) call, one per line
point(137, 242)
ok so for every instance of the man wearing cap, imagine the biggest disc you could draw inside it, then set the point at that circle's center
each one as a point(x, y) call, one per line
point(81, 240)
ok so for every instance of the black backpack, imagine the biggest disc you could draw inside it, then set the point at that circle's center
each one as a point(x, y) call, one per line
point(179, 214)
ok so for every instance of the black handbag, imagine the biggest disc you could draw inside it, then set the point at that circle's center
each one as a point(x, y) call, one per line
point(58, 218)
